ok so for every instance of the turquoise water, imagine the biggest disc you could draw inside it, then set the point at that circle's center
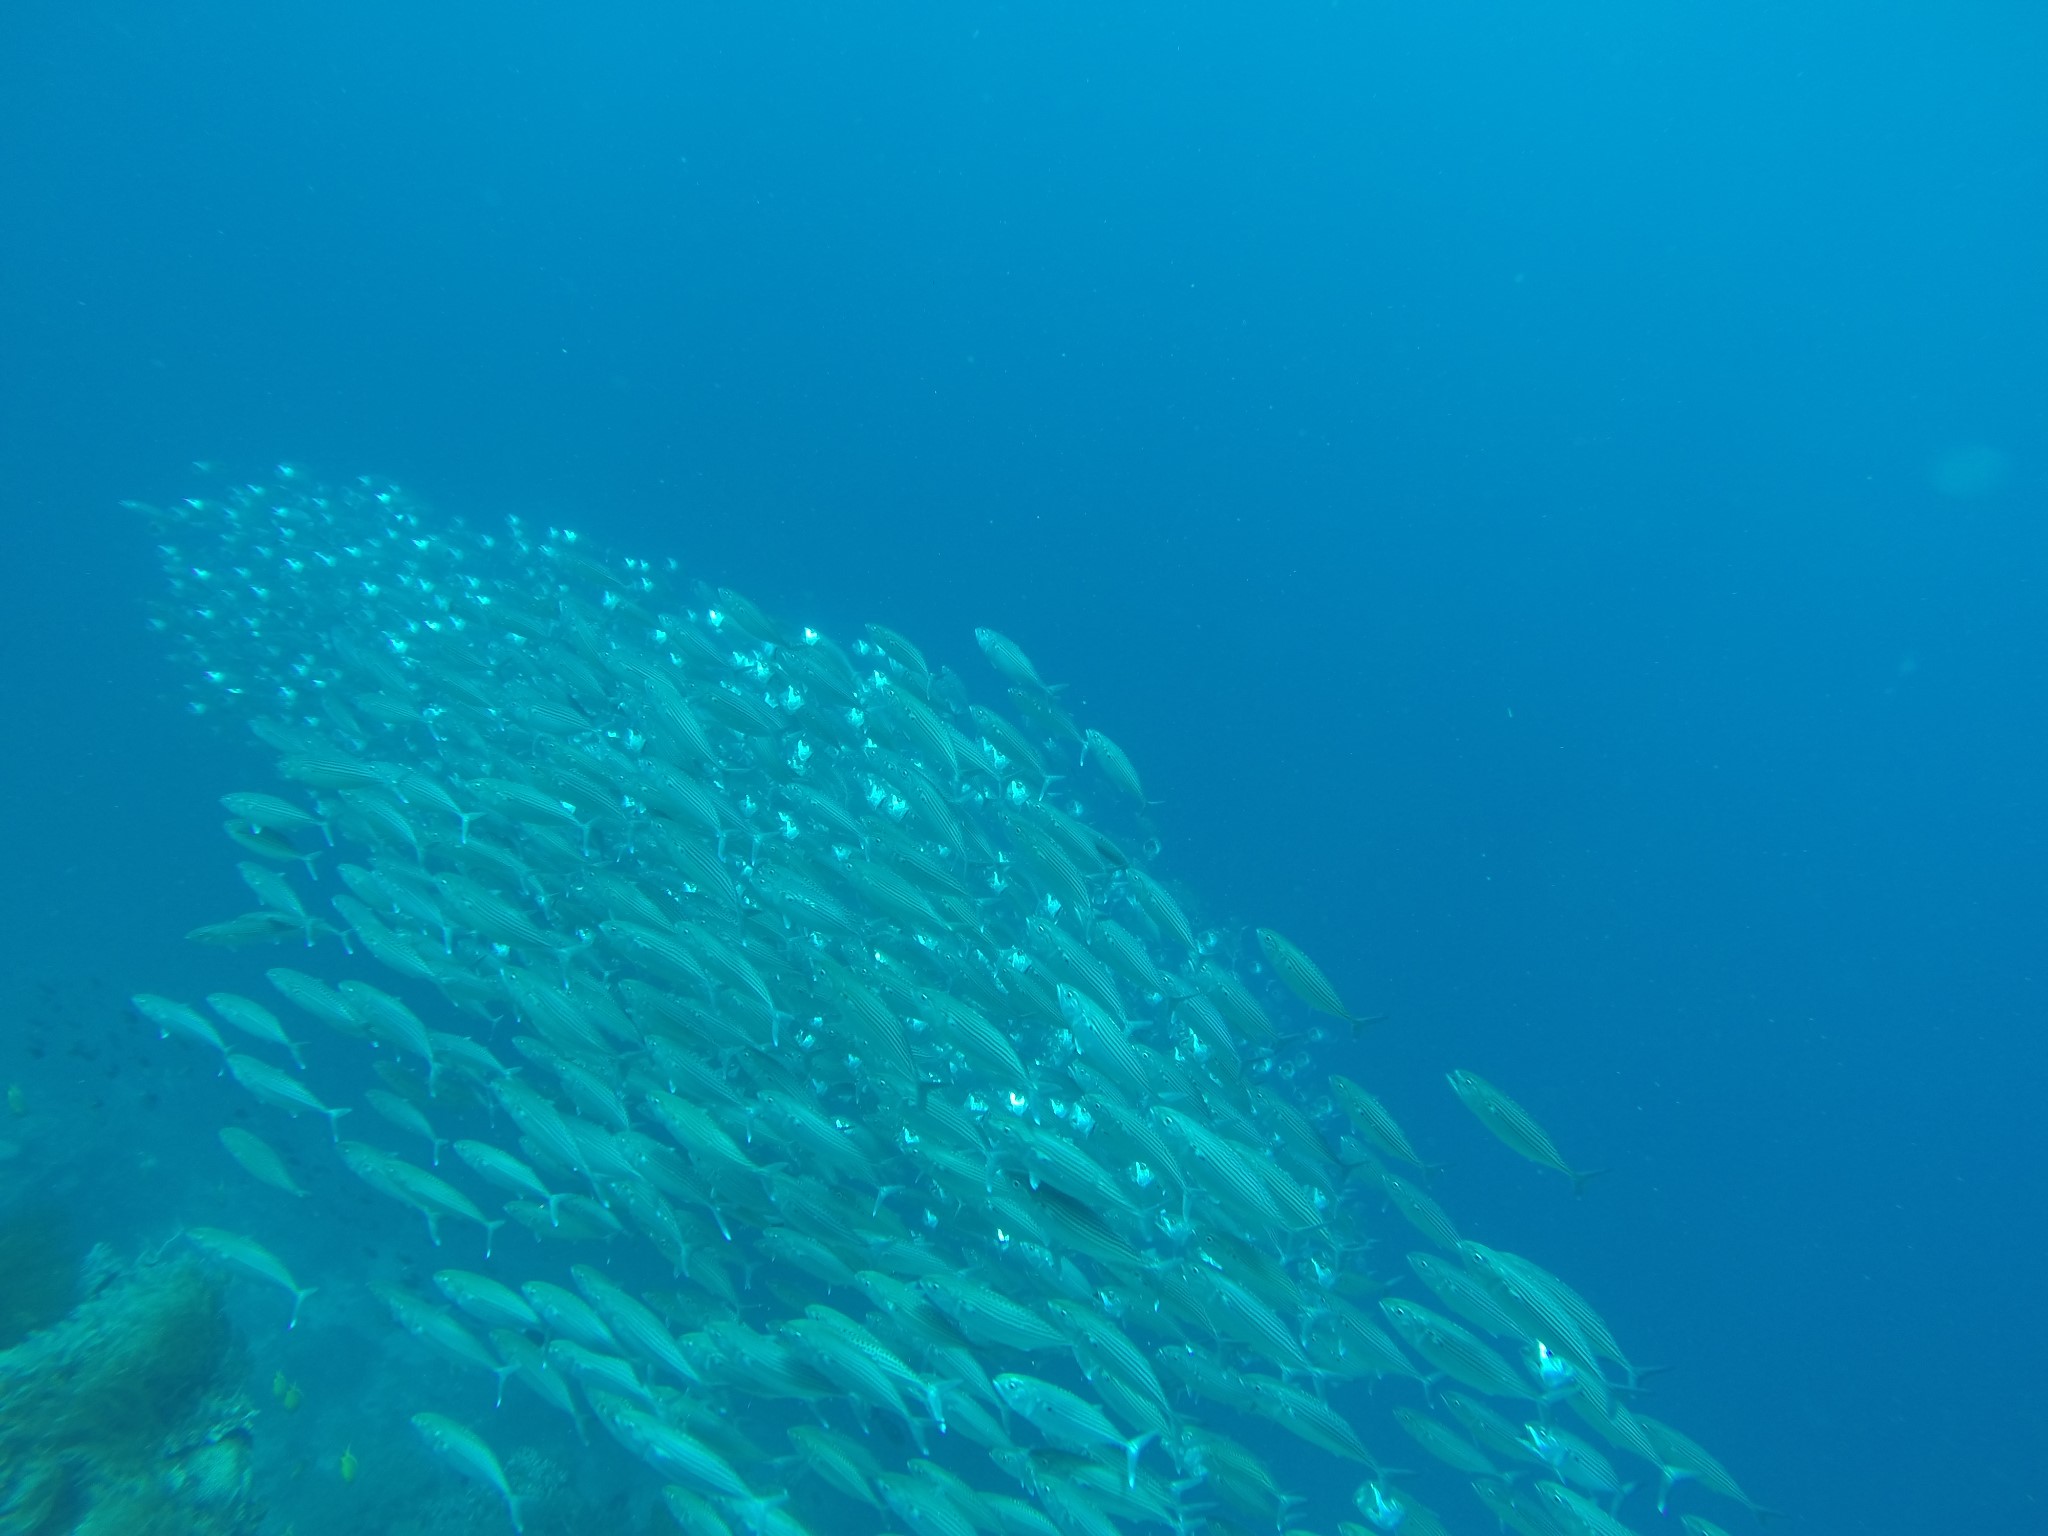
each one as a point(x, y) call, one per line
point(1551, 505)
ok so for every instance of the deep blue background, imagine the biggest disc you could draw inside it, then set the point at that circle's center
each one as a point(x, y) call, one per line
point(1552, 498)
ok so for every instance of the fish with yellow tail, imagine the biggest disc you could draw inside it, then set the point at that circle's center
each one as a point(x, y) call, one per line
point(349, 1466)
point(1516, 1127)
point(465, 1451)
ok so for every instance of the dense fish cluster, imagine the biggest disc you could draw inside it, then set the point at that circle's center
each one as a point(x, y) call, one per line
point(881, 1141)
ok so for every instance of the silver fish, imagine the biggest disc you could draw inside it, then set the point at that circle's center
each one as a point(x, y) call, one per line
point(465, 1451)
point(254, 1020)
point(175, 1018)
point(260, 1159)
point(1066, 1420)
point(1304, 978)
point(280, 1090)
point(1008, 658)
point(1516, 1127)
point(1115, 766)
point(252, 1258)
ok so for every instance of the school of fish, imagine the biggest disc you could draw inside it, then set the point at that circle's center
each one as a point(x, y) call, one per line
point(871, 1119)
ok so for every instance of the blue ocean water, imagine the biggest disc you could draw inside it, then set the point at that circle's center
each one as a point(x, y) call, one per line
point(1552, 499)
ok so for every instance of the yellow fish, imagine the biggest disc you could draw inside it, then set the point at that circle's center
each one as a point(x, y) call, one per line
point(349, 1465)
point(17, 1101)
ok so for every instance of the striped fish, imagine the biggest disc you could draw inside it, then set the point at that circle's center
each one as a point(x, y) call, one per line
point(269, 811)
point(1008, 658)
point(1680, 1457)
point(316, 998)
point(1422, 1213)
point(491, 1303)
point(280, 1090)
point(674, 1452)
point(1306, 980)
point(175, 1018)
point(337, 770)
point(990, 1317)
point(260, 1159)
point(1454, 1351)
point(568, 1314)
point(1115, 765)
point(466, 1452)
point(1444, 1443)
point(251, 1258)
point(843, 1463)
point(254, 1020)
point(1066, 1419)
point(1517, 1509)
point(1516, 1127)
point(906, 656)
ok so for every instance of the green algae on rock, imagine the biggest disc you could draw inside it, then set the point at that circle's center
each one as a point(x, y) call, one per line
point(122, 1415)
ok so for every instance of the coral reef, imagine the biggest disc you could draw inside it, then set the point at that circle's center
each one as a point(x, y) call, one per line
point(122, 1415)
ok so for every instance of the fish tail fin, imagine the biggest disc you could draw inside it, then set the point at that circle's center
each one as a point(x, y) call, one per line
point(298, 1301)
point(439, 1142)
point(512, 1509)
point(1131, 1449)
point(1580, 1176)
point(491, 1231)
point(295, 1046)
point(334, 1122)
point(1636, 1375)
point(554, 1216)
point(1668, 1479)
